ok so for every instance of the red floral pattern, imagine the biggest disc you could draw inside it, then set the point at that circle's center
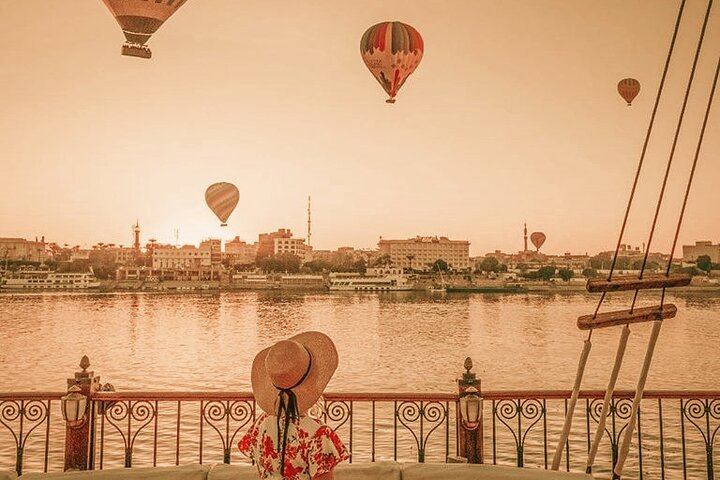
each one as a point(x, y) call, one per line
point(312, 448)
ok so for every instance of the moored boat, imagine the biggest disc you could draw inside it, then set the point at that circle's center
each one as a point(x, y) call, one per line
point(50, 280)
point(375, 280)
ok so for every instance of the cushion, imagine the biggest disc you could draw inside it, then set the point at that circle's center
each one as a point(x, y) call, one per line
point(459, 471)
point(8, 475)
point(368, 471)
point(344, 471)
point(185, 472)
point(241, 471)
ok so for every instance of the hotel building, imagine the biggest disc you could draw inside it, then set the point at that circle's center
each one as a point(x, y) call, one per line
point(420, 253)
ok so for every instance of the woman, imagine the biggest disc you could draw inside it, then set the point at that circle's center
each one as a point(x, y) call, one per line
point(287, 379)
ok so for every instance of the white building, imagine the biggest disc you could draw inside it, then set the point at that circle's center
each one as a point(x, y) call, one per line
point(420, 253)
point(295, 246)
point(187, 256)
point(692, 252)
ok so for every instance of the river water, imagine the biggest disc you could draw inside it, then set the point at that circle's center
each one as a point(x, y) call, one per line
point(402, 341)
point(391, 342)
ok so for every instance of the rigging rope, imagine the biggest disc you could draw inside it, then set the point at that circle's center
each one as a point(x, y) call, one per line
point(644, 148)
point(674, 145)
point(692, 172)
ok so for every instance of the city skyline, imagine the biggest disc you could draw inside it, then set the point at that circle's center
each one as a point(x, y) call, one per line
point(472, 148)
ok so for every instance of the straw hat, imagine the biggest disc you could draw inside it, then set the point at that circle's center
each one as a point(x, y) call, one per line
point(303, 363)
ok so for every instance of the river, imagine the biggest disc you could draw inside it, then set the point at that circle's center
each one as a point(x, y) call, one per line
point(404, 341)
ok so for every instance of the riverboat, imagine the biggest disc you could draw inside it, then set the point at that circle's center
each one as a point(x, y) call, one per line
point(375, 280)
point(488, 289)
point(49, 280)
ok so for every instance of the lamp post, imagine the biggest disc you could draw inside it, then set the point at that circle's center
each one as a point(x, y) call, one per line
point(469, 416)
point(79, 414)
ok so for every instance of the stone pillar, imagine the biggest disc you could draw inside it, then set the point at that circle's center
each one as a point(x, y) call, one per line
point(79, 439)
point(470, 442)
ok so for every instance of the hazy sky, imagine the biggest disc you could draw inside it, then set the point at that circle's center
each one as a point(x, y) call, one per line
point(512, 116)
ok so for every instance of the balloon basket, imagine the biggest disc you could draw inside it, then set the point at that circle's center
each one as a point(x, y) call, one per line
point(135, 50)
point(223, 224)
point(390, 100)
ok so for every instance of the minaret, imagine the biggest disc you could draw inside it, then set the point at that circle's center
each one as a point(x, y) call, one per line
point(136, 236)
point(309, 222)
point(525, 237)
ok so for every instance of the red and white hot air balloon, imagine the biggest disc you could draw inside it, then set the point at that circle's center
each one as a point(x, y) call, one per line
point(139, 19)
point(628, 88)
point(391, 51)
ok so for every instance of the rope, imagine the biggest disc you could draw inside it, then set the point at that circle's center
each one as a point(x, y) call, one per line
point(625, 447)
point(674, 144)
point(644, 148)
point(571, 407)
point(608, 396)
point(647, 136)
point(692, 172)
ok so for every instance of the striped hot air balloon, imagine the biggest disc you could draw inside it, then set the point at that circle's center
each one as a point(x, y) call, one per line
point(391, 51)
point(222, 198)
point(537, 239)
point(628, 88)
point(139, 19)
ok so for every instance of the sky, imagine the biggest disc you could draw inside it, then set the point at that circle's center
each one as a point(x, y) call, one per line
point(511, 117)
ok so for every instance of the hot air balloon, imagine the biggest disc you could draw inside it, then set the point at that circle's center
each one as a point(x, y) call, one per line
point(628, 88)
point(139, 19)
point(537, 239)
point(222, 198)
point(391, 51)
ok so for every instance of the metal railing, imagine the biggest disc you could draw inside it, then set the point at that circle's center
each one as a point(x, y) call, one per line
point(675, 438)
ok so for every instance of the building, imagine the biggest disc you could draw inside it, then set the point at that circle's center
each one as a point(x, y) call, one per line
point(420, 253)
point(266, 242)
point(294, 246)
point(187, 256)
point(692, 252)
point(214, 246)
point(282, 241)
point(239, 252)
point(21, 249)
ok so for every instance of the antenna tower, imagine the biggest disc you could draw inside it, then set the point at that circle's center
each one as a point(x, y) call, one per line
point(309, 222)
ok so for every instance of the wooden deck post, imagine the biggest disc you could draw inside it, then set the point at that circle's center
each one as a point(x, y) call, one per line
point(470, 442)
point(79, 439)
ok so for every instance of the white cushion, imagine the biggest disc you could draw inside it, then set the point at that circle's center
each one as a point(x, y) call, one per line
point(185, 472)
point(460, 471)
point(344, 471)
point(222, 471)
point(368, 471)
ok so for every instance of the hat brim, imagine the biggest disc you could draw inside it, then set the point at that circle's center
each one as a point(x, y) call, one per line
point(324, 359)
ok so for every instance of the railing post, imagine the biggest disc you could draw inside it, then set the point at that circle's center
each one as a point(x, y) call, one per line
point(469, 433)
point(79, 435)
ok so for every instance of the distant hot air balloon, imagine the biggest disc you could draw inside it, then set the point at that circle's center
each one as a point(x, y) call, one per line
point(537, 239)
point(139, 19)
point(628, 88)
point(391, 51)
point(222, 198)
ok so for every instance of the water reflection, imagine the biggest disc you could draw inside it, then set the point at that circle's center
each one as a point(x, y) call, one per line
point(400, 341)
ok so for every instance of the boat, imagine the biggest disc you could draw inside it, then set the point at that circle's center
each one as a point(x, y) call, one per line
point(375, 280)
point(488, 289)
point(50, 280)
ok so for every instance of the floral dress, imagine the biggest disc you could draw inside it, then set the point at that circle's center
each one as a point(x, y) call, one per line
point(312, 448)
